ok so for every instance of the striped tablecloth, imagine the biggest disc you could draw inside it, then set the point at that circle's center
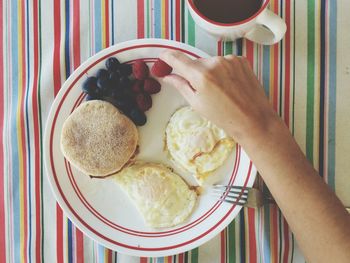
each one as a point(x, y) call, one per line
point(306, 76)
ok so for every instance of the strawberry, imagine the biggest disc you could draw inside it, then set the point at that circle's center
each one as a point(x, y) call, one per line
point(143, 101)
point(137, 86)
point(161, 69)
point(140, 70)
point(151, 86)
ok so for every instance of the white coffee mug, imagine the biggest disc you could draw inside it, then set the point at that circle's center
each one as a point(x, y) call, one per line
point(264, 27)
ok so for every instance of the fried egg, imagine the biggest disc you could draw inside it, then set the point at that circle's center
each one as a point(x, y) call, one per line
point(196, 144)
point(162, 197)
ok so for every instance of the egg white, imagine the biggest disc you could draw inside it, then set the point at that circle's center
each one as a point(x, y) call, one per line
point(162, 197)
point(196, 144)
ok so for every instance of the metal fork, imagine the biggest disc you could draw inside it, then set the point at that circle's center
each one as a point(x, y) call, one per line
point(244, 196)
point(239, 195)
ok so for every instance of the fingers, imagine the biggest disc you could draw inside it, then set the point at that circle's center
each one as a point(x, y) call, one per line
point(230, 57)
point(239, 59)
point(180, 62)
point(181, 84)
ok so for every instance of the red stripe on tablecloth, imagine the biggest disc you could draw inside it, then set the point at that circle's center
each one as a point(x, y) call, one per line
point(140, 19)
point(106, 22)
point(59, 233)
point(57, 86)
point(181, 258)
point(287, 65)
point(56, 48)
point(79, 239)
point(76, 34)
point(178, 20)
point(286, 240)
point(219, 51)
point(143, 260)
point(2, 186)
point(22, 133)
point(167, 19)
point(222, 247)
point(36, 135)
point(252, 237)
point(249, 51)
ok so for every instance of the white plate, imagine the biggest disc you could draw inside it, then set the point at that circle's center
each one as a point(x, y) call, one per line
point(98, 206)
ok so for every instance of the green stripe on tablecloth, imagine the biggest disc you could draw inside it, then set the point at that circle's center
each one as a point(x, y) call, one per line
point(194, 255)
point(148, 19)
point(310, 79)
point(190, 30)
point(182, 4)
point(231, 232)
point(227, 48)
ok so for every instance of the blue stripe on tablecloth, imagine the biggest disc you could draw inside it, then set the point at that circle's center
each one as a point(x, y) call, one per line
point(112, 21)
point(29, 170)
point(14, 143)
point(332, 90)
point(171, 20)
point(101, 253)
point(322, 84)
point(70, 240)
point(98, 26)
point(266, 70)
point(157, 18)
point(68, 71)
point(267, 234)
point(66, 41)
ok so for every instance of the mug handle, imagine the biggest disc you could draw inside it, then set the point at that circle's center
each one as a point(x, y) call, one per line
point(269, 30)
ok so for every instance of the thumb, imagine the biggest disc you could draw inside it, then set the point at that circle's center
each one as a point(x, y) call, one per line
point(181, 84)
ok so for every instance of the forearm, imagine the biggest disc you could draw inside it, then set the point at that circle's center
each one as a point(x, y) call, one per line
point(314, 213)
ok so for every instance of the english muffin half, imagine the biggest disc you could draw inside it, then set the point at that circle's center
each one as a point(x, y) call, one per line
point(97, 139)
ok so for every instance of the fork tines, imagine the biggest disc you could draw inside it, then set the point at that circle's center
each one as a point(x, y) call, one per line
point(231, 194)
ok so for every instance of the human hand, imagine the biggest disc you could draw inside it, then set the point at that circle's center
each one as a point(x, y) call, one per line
point(224, 90)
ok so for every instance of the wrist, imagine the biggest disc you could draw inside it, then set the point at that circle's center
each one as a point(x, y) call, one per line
point(265, 131)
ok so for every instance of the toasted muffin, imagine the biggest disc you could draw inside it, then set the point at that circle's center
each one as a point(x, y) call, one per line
point(97, 139)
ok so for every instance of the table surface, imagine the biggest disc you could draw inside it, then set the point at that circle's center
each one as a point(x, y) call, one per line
point(305, 76)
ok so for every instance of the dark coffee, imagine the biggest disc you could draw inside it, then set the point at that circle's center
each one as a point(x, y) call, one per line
point(228, 11)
